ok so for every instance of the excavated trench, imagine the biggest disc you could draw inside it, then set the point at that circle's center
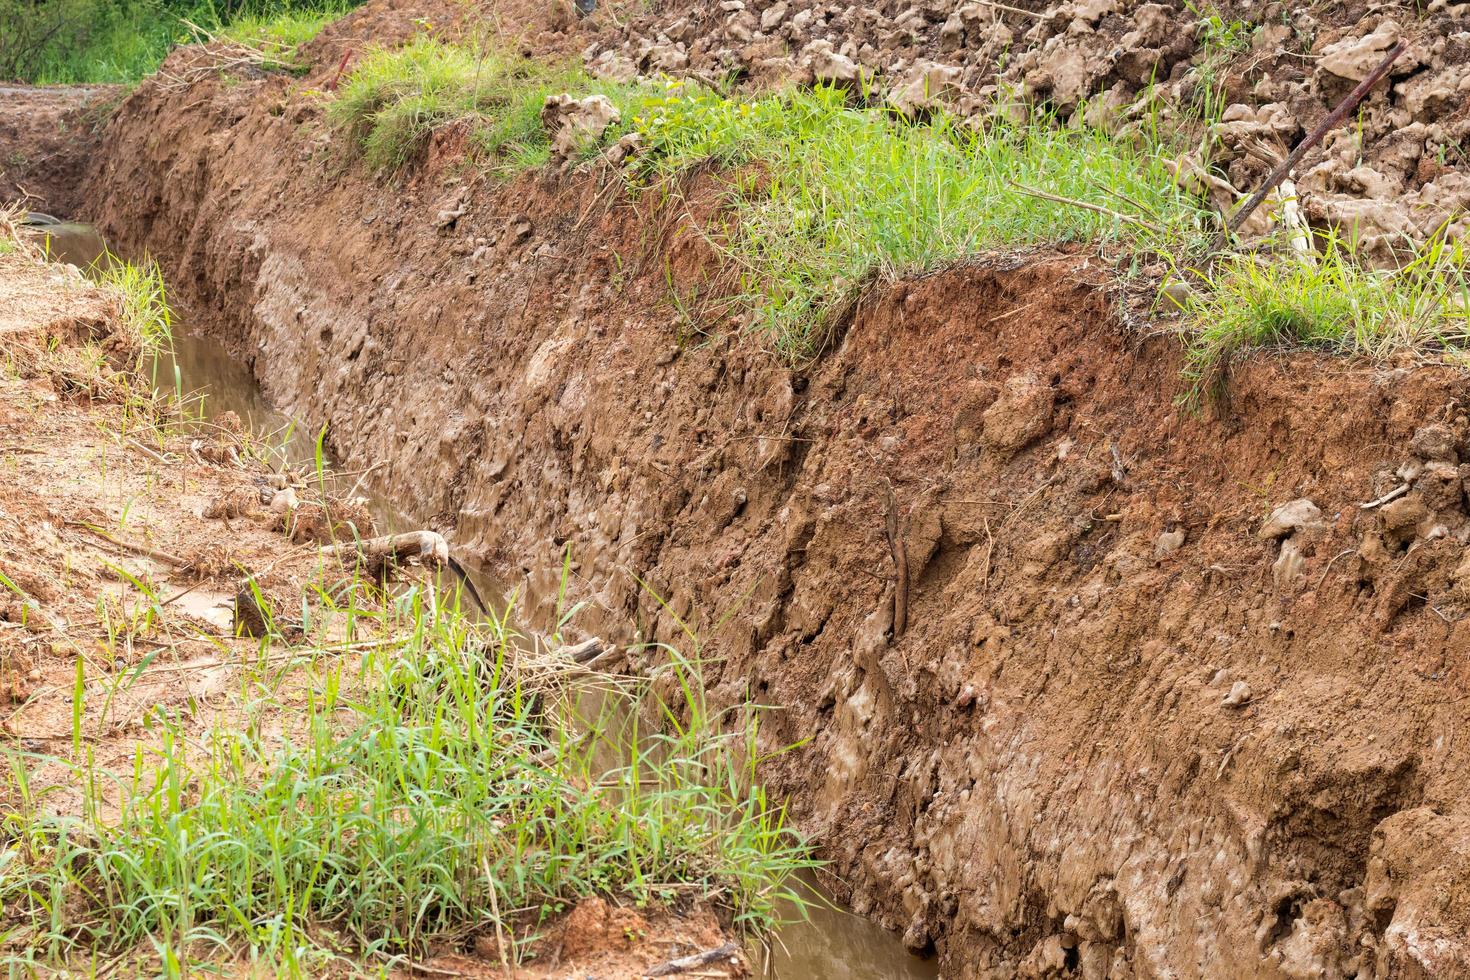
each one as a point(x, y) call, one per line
point(824, 940)
point(1129, 728)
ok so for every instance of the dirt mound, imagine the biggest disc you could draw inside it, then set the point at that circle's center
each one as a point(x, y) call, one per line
point(1397, 174)
point(1125, 733)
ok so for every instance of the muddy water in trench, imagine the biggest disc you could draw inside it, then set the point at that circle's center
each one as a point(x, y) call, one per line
point(830, 944)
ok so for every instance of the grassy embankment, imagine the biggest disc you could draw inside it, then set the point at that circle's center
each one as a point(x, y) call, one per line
point(843, 193)
point(399, 771)
point(110, 41)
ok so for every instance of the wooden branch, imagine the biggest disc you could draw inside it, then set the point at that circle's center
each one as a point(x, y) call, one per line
point(584, 652)
point(1336, 116)
point(428, 546)
point(136, 549)
point(900, 553)
point(686, 963)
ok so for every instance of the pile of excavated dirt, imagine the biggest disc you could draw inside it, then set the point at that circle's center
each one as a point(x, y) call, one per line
point(1178, 694)
point(1394, 175)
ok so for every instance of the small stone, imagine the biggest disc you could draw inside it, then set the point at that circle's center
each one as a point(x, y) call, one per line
point(1439, 486)
point(1288, 518)
point(1021, 415)
point(1288, 566)
point(1169, 542)
point(1435, 442)
point(926, 86)
point(829, 65)
point(283, 501)
point(1400, 517)
point(573, 123)
point(1239, 695)
point(1221, 678)
point(1354, 58)
point(33, 675)
point(916, 937)
point(1176, 295)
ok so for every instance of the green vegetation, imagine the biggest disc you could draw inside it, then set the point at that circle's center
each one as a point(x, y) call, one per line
point(836, 195)
point(827, 195)
point(93, 41)
point(833, 194)
point(436, 784)
point(146, 317)
point(399, 771)
point(1330, 301)
point(394, 98)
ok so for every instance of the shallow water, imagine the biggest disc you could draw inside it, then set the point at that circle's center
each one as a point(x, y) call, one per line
point(830, 944)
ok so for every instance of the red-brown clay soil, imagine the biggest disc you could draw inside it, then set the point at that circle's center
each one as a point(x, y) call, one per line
point(1125, 733)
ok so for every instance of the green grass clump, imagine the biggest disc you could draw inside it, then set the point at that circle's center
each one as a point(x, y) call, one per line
point(146, 318)
point(427, 790)
point(838, 195)
point(394, 98)
point(281, 32)
point(1330, 301)
point(828, 196)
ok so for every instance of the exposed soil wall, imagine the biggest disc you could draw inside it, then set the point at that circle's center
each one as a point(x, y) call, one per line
point(1122, 734)
point(47, 136)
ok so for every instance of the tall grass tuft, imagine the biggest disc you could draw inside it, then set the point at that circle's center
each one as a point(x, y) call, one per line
point(395, 97)
point(835, 195)
point(1330, 301)
point(146, 319)
point(421, 788)
point(825, 195)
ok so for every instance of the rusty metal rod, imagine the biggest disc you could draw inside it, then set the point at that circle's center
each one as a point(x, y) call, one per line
point(1334, 118)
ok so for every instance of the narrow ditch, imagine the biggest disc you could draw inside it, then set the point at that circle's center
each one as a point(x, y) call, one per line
point(826, 941)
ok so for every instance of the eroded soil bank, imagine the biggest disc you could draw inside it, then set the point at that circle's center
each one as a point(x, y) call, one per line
point(125, 535)
point(1125, 733)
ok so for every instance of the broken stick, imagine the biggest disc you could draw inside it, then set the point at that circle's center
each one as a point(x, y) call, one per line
point(1335, 117)
point(584, 652)
point(696, 961)
point(428, 546)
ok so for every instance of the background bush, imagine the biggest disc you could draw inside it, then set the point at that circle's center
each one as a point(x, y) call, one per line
point(87, 41)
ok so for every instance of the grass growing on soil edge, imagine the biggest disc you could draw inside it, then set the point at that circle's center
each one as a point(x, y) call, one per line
point(826, 196)
point(431, 781)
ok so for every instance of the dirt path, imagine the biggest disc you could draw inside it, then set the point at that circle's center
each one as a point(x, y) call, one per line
point(99, 499)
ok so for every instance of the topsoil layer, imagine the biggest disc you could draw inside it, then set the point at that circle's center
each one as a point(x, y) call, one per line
point(1109, 720)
